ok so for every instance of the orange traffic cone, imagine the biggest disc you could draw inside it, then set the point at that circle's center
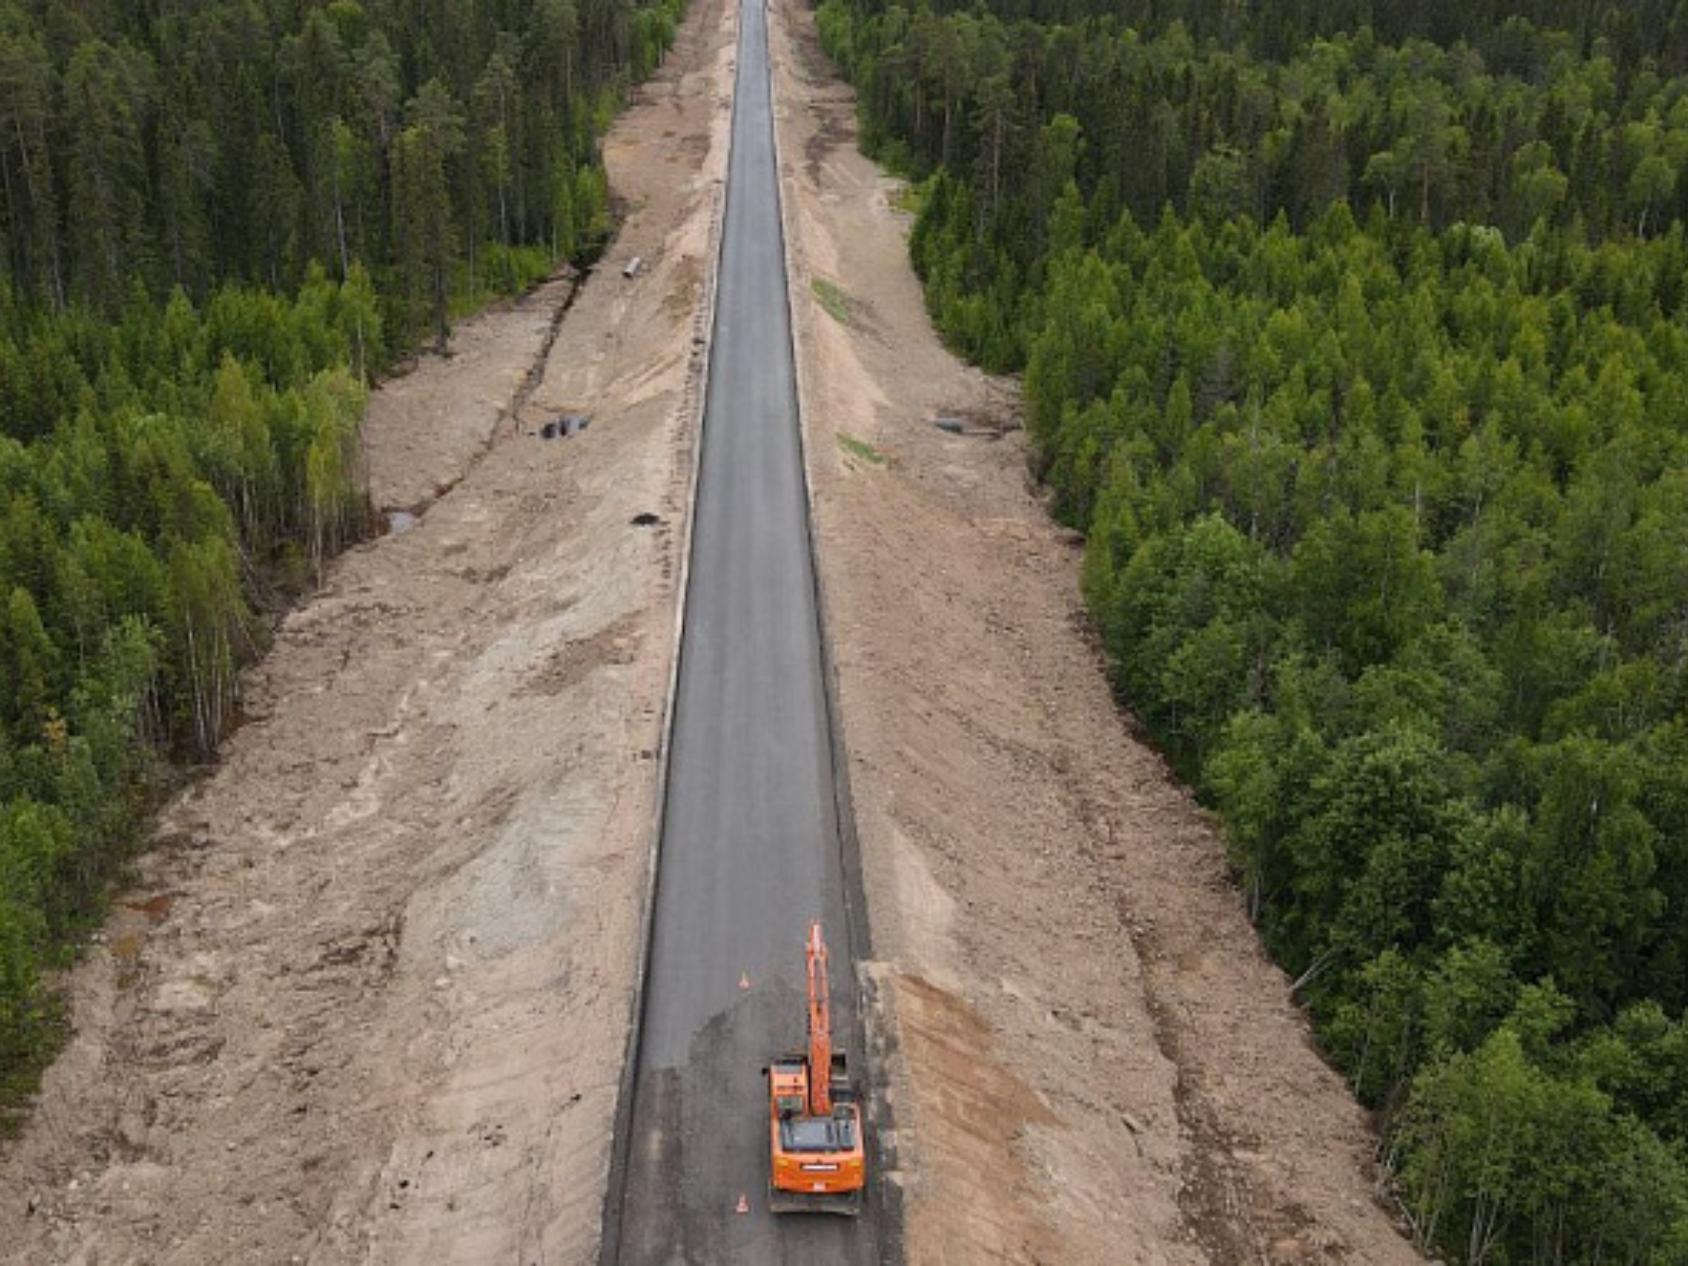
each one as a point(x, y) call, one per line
point(743, 1203)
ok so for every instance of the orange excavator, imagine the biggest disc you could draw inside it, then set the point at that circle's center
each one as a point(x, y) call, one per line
point(814, 1118)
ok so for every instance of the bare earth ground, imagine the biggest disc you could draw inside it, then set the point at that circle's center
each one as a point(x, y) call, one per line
point(369, 997)
point(423, 431)
point(1095, 1063)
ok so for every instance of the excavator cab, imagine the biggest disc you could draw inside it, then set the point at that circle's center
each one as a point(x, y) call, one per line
point(818, 1160)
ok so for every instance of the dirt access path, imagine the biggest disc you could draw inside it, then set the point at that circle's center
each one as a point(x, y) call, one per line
point(1093, 1061)
point(369, 997)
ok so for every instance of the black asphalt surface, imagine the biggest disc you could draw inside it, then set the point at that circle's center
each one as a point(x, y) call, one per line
point(750, 849)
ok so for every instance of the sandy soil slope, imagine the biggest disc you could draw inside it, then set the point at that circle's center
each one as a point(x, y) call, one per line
point(1094, 1062)
point(425, 430)
point(369, 997)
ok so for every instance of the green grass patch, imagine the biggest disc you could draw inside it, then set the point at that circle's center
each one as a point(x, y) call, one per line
point(834, 300)
point(860, 448)
point(500, 272)
point(910, 198)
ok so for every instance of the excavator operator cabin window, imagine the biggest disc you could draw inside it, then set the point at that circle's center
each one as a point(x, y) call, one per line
point(818, 1134)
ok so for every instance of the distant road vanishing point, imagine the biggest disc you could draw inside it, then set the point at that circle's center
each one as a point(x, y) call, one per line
point(750, 848)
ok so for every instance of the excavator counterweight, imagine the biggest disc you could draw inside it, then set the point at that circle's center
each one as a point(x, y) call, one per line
point(818, 1163)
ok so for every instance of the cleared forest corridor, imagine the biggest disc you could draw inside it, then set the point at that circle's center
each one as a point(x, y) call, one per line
point(750, 849)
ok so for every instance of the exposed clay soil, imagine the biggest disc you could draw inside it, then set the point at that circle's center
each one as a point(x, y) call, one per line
point(1094, 1062)
point(368, 997)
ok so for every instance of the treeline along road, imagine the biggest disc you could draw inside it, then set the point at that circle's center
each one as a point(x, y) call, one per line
point(1353, 343)
point(220, 222)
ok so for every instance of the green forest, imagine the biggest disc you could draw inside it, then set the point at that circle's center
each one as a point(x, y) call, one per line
point(222, 220)
point(1353, 338)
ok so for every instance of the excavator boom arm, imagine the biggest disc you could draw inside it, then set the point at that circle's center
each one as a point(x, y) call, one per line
point(820, 1027)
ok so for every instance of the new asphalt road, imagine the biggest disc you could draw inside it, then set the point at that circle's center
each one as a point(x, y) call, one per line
point(750, 848)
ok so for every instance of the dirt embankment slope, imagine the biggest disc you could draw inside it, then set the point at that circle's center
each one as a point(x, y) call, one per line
point(1095, 1062)
point(368, 998)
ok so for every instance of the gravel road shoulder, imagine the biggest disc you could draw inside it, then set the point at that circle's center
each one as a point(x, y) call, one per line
point(1093, 1061)
point(368, 996)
